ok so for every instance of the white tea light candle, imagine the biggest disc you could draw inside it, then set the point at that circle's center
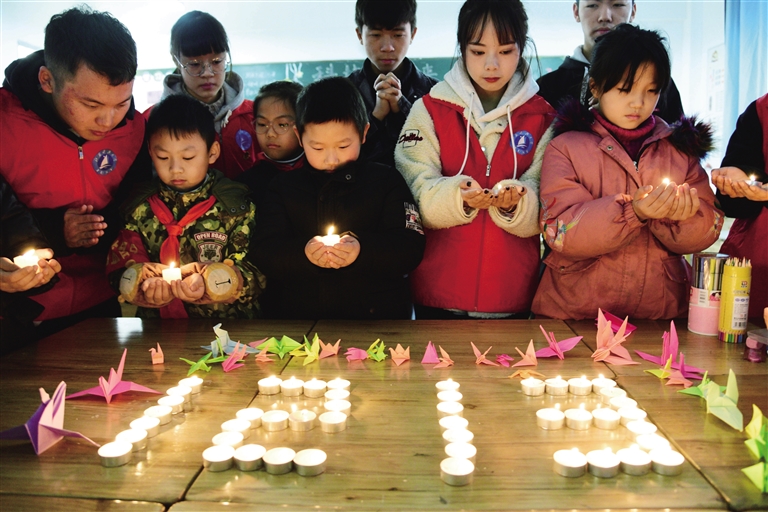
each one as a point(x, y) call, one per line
point(302, 421)
point(292, 387)
point(338, 383)
point(556, 386)
point(330, 239)
point(447, 385)
point(551, 418)
point(333, 422)
point(449, 422)
point(605, 418)
point(337, 394)
point(278, 461)
point(273, 421)
point(172, 273)
point(600, 383)
point(27, 259)
point(666, 462)
point(338, 406)
point(150, 425)
point(456, 472)
point(570, 463)
point(137, 438)
point(449, 409)
point(603, 463)
point(176, 403)
point(629, 414)
point(578, 419)
point(634, 461)
point(532, 386)
point(161, 412)
point(270, 385)
point(116, 453)
point(233, 439)
point(607, 393)
point(461, 451)
point(252, 415)
point(218, 458)
point(183, 391)
point(236, 425)
point(314, 388)
point(194, 383)
point(639, 428)
point(458, 435)
point(248, 457)
point(449, 396)
point(580, 386)
point(310, 462)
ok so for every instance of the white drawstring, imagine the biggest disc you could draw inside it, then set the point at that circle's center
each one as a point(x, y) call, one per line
point(469, 127)
point(512, 139)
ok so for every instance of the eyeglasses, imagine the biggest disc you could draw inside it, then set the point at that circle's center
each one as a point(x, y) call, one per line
point(195, 68)
point(279, 127)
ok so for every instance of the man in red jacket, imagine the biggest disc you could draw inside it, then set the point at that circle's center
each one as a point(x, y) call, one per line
point(70, 142)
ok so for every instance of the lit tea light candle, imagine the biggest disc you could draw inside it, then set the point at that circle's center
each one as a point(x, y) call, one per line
point(608, 393)
point(634, 461)
point(302, 421)
point(270, 385)
point(251, 414)
point(161, 412)
point(337, 394)
point(629, 414)
point(601, 382)
point(640, 428)
point(666, 462)
point(176, 403)
point(310, 462)
point(278, 461)
point(618, 402)
point(649, 442)
point(233, 439)
point(171, 273)
point(449, 409)
point(665, 182)
point(338, 406)
point(752, 180)
point(27, 259)
point(116, 453)
point(333, 422)
point(338, 383)
point(449, 422)
point(557, 386)
point(248, 457)
point(456, 472)
point(236, 425)
point(578, 419)
point(551, 418)
point(570, 463)
point(194, 383)
point(330, 238)
point(603, 463)
point(150, 425)
point(137, 438)
point(292, 387)
point(532, 386)
point(461, 451)
point(218, 458)
point(447, 385)
point(272, 421)
point(314, 388)
point(606, 418)
point(183, 391)
point(580, 386)
point(458, 435)
point(449, 396)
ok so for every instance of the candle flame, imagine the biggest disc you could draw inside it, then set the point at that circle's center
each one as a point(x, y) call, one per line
point(665, 181)
point(173, 264)
point(582, 406)
point(634, 447)
point(557, 406)
point(575, 450)
point(29, 254)
point(601, 376)
point(584, 377)
point(330, 230)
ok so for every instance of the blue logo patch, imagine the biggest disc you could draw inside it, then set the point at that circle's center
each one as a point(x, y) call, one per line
point(244, 140)
point(104, 162)
point(523, 142)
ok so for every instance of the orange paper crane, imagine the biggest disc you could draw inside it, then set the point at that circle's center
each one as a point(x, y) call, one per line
point(480, 358)
point(399, 354)
point(609, 345)
point(529, 358)
point(445, 360)
point(328, 349)
point(157, 355)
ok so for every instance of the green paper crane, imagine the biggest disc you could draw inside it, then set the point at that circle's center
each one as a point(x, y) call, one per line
point(280, 347)
point(700, 390)
point(758, 475)
point(757, 431)
point(310, 351)
point(376, 351)
point(724, 405)
point(202, 363)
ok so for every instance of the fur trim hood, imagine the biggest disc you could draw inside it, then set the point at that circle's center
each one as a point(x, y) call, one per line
point(688, 135)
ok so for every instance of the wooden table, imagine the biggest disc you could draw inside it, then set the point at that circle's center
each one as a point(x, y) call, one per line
point(388, 458)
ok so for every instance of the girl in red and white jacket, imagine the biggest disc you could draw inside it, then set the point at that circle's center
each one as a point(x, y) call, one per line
point(468, 150)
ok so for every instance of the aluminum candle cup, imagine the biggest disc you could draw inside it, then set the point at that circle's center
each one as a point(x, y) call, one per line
point(336, 394)
point(338, 383)
point(161, 412)
point(150, 425)
point(570, 463)
point(639, 428)
point(137, 438)
point(606, 394)
point(183, 391)
point(634, 461)
point(272, 421)
point(666, 462)
point(248, 457)
point(458, 435)
point(194, 383)
point(116, 453)
point(450, 422)
point(580, 386)
point(270, 385)
point(606, 418)
point(302, 421)
point(456, 472)
point(629, 414)
point(314, 388)
point(550, 418)
point(233, 439)
point(603, 463)
point(449, 409)
point(578, 419)
point(176, 403)
point(532, 386)
point(449, 396)
point(278, 461)
point(242, 426)
point(218, 458)
point(601, 383)
point(333, 422)
point(556, 386)
point(650, 442)
point(448, 385)
point(618, 402)
point(461, 451)
point(338, 406)
point(292, 387)
point(251, 414)
point(310, 462)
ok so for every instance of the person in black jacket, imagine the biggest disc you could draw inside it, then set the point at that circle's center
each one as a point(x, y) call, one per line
point(570, 80)
point(363, 273)
point(389, 82)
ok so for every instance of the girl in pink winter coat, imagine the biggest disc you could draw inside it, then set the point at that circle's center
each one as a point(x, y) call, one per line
point(623, 194)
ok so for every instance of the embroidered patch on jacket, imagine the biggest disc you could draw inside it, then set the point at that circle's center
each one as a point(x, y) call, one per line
point(410, 138)
point(210, 245)
point(523, 142)
point(104, 162)
point(244, 140)
point(413, 218)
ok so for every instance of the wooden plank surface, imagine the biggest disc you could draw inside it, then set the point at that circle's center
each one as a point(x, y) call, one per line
point(21, 503)
point(388, 458)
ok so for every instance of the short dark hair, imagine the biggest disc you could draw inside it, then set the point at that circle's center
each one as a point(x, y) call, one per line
point(378, 14)
point(625, 49)
point(198, 33)
point(331, 99)
point(577, 3)
point(508, 17)
point(181, 115)
point(285, 91)
point(82, 36)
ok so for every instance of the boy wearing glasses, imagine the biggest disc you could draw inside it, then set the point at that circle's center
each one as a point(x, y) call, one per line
point(190, 217)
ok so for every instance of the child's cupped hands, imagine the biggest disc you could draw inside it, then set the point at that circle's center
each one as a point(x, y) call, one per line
point(733, 182)
point(670, 201)
point(189, 289)
point(156, 291)
point(339, 255)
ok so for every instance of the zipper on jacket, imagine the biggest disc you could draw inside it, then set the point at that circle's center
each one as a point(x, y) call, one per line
point(488, 169)
point(635, 162)
point(80, 151)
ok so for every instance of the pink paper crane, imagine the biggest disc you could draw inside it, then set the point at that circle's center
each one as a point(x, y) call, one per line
point(445, 360)
point(157, 355)
point(44, 428)
point(677, 378)
point(669, 348)
point(616, 322)
point(480, 357)
point(556, 348)
point(504, 360)
point(609, 348)
point(233, 361)
point(430, 356)
point(399, 354)
point(356, 354)
point(529, 358)
point(115, 385)
point(328, 350)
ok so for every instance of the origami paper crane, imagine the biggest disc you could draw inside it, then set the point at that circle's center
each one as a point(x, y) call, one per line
point(280, 347)
point(264, 357)
point(662, 373)
point(430, 356)
point(757, 431)
point(308, 350)
point(44, 427)
point(504, 360)
point(356, 354)
point(556, 348)
point(724, 406)
point(669, 350)
point(445, 360)
point(700, 390)
point(609, 348)
point(223, 344)
point(235, 359)
point(328, 350)
point(524, 374)
point(376, 351)
point(202, 364)
point(399, 354)
point(677, 378)
point(758, 475)
point(529, 358)
point(114, 385)
point(616, 322)
point(480, 358)
point(157, 355)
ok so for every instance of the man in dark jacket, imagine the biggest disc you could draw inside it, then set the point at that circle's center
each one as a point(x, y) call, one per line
point(570, 80)
point(70, 138)
point(389, 82)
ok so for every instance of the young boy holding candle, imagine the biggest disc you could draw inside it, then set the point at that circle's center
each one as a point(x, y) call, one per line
point(365, 274)
point(192, 217)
